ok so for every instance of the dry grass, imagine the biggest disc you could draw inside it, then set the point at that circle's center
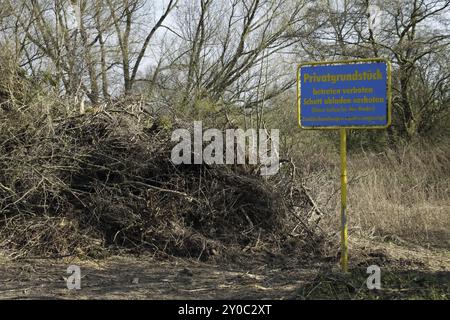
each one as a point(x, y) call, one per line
point(398, 194)
point(405, 194)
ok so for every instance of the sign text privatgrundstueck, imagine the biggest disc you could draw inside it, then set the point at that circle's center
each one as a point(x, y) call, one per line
point(339, 95)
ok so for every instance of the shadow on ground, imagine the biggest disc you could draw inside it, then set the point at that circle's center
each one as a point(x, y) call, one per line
point(248, 277)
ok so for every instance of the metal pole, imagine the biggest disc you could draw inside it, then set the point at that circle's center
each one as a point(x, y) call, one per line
point(344, 233)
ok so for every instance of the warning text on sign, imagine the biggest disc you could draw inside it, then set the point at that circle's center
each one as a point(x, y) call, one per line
point(344, 95)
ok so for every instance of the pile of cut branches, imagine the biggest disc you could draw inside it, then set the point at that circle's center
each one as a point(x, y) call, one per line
point(101, 181)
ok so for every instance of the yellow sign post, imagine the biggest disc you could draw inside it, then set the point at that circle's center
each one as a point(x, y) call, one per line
point(352, 94)
point(344, 232)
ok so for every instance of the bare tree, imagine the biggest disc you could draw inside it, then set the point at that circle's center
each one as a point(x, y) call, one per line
point(410, 33)
point(123, 16)
point(221, 46)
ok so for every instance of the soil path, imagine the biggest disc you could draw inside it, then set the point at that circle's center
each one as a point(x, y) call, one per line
point(419, 271)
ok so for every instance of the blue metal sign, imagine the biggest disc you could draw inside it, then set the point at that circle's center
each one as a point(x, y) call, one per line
point(348, 94)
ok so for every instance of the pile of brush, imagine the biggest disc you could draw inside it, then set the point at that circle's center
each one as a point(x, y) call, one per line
point(93, 183)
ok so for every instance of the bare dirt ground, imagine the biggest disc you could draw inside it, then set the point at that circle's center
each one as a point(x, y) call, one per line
point(407, 273)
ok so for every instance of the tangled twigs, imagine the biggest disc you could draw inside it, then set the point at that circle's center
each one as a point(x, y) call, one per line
point(103, 181)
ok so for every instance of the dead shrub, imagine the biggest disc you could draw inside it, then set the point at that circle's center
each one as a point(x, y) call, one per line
point(102, 181)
